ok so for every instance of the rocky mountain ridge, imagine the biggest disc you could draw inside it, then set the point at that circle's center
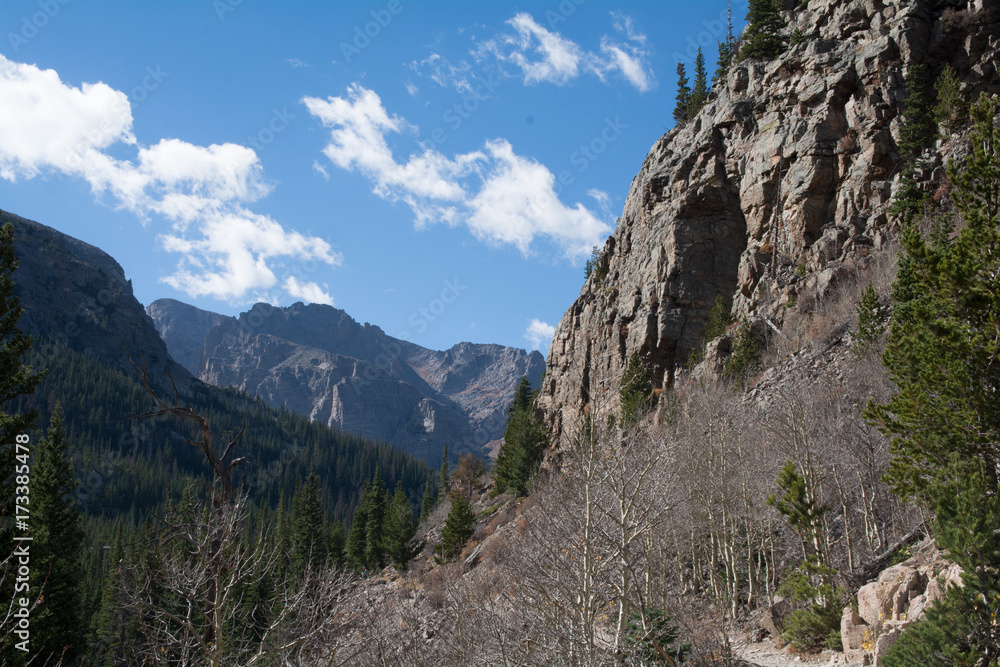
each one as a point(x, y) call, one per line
point(317, 361)
point(76, 296)
point(773, 194)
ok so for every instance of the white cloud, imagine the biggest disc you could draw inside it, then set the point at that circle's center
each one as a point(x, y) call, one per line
point(322, 170)
point(502, 197)
point(309, 292)
point(544, 56)
point(541, 54)
point(539, 334)
point(444, 73)
point(628, 60)
point(227, 250)
point(411, 88)
point(295, 62)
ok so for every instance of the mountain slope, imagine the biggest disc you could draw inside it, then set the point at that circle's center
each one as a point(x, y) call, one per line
point(86, 323)
point(319, 362)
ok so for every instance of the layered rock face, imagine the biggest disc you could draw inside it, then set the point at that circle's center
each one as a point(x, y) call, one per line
point(317, 361)
point(776, 190)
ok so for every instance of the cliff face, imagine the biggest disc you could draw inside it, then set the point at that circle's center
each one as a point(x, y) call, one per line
point(317, 361)
point(776, 190)
point(76, 296)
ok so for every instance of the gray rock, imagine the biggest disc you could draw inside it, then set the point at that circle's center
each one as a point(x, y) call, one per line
point(793, 163)
point(317, 361)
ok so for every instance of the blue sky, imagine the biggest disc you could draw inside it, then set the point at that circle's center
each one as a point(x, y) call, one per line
point(440, 169)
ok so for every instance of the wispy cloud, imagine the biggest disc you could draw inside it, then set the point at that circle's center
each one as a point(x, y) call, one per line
point(539, 334)
point(502, 197)
point(545, 56)
point(227, 251)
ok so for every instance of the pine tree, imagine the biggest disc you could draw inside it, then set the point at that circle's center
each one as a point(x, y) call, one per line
point(945, 333)
point(457, 529)
point(56, 622)
point(444, 477)
point(375, 523)
point(357, 538)
point(727, 50)
point(309, 538)
point(951, 110)
point(16, 379)
point(635, 392)
point(682, 107)
point(337, 544)
point(943, 423)
point(399, 529)
point(871, 319)
point(523, 443)
point(699, 95)
point(114, 625)
point(763, 37)
point(719, 319)
point(427, 505)
point(916, 133)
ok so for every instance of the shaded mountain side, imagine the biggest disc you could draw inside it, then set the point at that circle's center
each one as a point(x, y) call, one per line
point(319, 362)
point(185, 327)
point(80, 309)
point(773, 194)
point(76, 296)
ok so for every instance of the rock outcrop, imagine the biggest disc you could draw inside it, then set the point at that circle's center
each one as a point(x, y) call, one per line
point(896, 599)
point(773, 193)
point(317, 361)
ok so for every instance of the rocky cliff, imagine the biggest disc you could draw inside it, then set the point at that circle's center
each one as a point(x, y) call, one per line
point(319, 362)
point(76, 296)
point(774, 192)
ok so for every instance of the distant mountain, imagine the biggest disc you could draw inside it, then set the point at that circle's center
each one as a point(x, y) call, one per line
point(319, 362)
point(86, 323)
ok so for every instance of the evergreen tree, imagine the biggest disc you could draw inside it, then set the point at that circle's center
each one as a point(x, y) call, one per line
point(523, 443)
point(56, 622)
point(727, 50)
point(635, 392)
point(375, 524)
point(357, 538)
point(309, 538)
point(943, 423)
point(112, 624)
point(399, 529)
point(951, 110)
point(745, 359)
point(444, 477)
point(16, 379)
point(945, 333)
point(337, 544)
point(871, 319)
point(457, 529)
point(427, 505)
point(916, 133)
point(682, 107)
point(719, 319)
point(699, 95)
point(763, 37)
